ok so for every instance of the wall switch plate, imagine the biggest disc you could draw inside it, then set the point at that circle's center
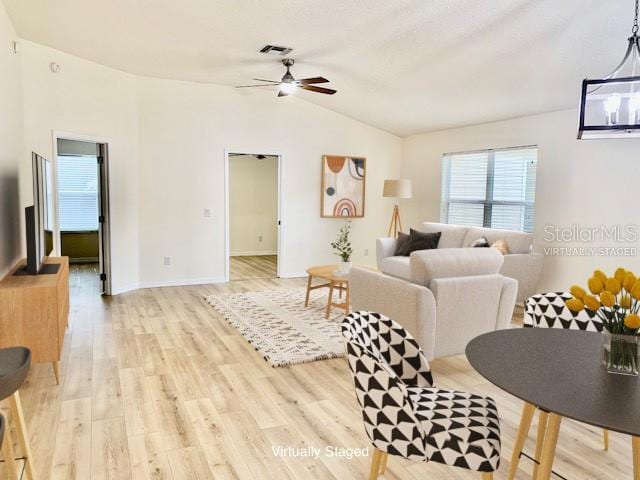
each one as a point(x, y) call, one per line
point(207, 213)
point(167, 260)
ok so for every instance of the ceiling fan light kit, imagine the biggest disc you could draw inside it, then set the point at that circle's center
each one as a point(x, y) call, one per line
point(288, 85)
point(610, 107)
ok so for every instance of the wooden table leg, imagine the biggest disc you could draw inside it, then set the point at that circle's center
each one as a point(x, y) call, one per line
point(330, 300)
point(306, 300)
point(375, 464)
point(543, 419)
point(635, 448)
point(605, 439)
point(523, 430)
point(17, 418)
point(347, 301)
point(11, 470)
point(549, 447)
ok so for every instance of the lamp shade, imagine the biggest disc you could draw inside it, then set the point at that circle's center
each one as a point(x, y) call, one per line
point(397, 188)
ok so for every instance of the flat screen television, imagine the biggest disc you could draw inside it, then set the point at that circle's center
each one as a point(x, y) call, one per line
point(39, 220)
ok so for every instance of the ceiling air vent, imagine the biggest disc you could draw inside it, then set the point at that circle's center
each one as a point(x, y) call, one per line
point(275, 50)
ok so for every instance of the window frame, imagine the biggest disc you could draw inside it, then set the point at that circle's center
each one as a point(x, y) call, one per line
point(488, 201)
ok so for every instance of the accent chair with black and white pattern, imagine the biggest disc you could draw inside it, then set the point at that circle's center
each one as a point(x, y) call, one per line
point(404, 413)
point(549, 310)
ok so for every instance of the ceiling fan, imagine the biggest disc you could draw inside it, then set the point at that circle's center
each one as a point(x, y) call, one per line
point(288, 84)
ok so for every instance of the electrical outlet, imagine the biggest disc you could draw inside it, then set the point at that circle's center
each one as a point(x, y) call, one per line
point(167, 261)
point(207, 213)
point(260, 238)
point(366, 252)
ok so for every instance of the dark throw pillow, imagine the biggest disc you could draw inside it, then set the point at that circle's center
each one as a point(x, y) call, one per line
point(480, 242)
point(401, 244)
point(417, 240)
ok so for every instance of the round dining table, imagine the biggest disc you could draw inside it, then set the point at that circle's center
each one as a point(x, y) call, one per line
point(559, 372)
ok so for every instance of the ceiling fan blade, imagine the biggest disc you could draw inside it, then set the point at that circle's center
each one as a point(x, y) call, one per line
point(311, 88)
point(260, 85)
point(282, 94)
point(263, 80)
point(309, 81)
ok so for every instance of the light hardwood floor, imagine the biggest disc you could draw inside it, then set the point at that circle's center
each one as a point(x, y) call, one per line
point(155, 385)
point(252, 267)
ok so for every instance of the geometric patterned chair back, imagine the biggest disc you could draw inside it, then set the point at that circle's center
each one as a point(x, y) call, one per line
point(549, 310)
point(385, 360)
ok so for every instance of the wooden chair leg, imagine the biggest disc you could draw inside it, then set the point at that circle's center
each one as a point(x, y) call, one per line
point(549, 447)
point(375, 464)
point(523, 430)
point(487, 475)
point(17, 418)
point(383, 463)
point(605, 439)
point(543, 419)
point(10, 467)
point(56, 372)
point(635, 444)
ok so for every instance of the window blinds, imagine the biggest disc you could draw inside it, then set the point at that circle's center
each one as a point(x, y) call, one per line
point(78, 193)
point(490, 188)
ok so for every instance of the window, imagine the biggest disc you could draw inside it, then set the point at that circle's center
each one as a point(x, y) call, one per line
point(78, 193)
point(490, 188)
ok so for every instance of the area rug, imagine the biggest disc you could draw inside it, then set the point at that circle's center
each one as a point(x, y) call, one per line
point(279, 326)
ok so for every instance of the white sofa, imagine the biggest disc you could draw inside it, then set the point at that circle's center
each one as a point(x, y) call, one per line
point(519, 263)
point(459, 295)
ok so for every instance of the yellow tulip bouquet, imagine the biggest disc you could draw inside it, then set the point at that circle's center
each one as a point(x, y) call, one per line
point(616, 301)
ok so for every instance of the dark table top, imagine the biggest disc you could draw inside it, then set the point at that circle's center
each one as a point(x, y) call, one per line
point(559, 371)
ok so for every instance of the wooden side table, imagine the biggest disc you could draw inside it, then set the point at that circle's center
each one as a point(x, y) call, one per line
point(334, 282)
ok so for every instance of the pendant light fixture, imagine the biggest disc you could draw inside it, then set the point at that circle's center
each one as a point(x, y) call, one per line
point(610, 107)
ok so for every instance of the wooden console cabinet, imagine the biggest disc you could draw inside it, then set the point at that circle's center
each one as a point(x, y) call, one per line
point(34, 311)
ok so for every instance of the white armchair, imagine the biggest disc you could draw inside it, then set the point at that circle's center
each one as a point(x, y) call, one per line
point(451, 308)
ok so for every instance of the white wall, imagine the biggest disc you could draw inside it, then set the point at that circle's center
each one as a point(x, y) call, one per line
point(253, 205)
point(87, 99)
point(184, 130)
point(585, 182)
point(10, 146)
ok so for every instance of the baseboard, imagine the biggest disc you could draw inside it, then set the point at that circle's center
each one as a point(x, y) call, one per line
point(293, 275)
point(182, 282)
point(254, 253)
point(126, 288)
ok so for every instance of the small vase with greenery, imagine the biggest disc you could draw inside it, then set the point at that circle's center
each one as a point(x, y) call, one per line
point(616, 301)
point(342, 247)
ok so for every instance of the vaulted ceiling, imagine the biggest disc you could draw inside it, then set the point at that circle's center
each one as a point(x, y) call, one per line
point(405, 66)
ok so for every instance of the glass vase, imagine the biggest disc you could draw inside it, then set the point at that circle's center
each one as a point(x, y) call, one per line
point(620, 353)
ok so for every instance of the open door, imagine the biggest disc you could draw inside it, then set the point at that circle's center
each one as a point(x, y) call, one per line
point(104, 219)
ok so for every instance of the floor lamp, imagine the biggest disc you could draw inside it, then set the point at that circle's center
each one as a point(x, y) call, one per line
point(396, 189)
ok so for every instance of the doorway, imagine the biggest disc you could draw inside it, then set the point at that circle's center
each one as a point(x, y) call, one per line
point(82, 207)
point(253, 181)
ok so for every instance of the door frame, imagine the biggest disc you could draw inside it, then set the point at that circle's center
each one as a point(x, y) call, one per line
point(104, 202)
point(280, 207)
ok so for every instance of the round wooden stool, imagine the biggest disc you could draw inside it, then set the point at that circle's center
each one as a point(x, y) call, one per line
point(14, 366)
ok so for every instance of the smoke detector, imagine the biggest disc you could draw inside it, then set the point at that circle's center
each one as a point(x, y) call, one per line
point(276, 50)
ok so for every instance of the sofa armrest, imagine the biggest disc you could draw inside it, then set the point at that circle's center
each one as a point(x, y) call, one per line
point(526, 268)
point(385, 247)
point(427, 265)
point(412, 306)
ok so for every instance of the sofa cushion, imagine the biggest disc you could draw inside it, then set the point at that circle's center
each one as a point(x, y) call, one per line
point(427, 265)
point(396, 267)
point(517, 242)
point(452, 235)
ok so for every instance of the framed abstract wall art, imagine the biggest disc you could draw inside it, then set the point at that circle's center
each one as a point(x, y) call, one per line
point(343, 186)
